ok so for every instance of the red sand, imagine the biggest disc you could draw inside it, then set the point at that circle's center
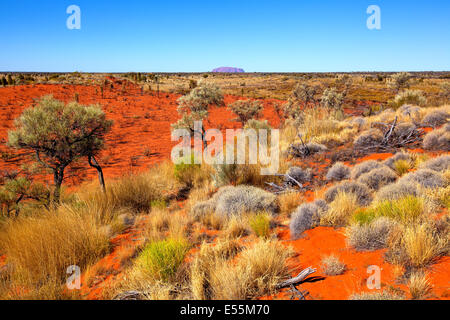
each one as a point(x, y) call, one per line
point(141, 137)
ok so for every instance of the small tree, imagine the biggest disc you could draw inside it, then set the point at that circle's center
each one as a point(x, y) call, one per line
point(445, 90)
point(331, 99)
point(246, 110)
point(400, 81)
point(303, 95)
point(59, 134)
point(194, 106)
point(15, 189)
point(10, 80)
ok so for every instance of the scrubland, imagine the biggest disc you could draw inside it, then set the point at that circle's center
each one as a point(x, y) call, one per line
point(367, 183)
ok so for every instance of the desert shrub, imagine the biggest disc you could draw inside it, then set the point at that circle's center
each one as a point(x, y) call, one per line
point(307, 216)
point(202, 209)
point(41, 247)
point(440, 196)
point(300, 150)
point(186, 171)
point(436, 118)
point(377, 178)
point(385, 295)
point(362, 216)
point(332, 266)
point(419, 285)
point(299, 174)
point(338, 172)
point(397, 190)
point(161, 259)
point(246, 109)
point(331, 99)
point(399, 80)
point(359, 121)
point(370, 236)
point(412, 112)
point(437, 139)
point(368, 138)
point(439, 164)
point(426, 178)
point(340, 210)
point(257, 125)
point(244, 199)
point(364, 167)
point(414, 97)
point(361, 192)
point(260, 224)
point(406, 210)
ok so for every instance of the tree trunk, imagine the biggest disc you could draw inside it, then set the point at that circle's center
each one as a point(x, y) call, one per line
point(58, 179)
point(93, 163)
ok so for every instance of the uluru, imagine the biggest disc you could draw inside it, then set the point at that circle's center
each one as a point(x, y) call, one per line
point(228, 70)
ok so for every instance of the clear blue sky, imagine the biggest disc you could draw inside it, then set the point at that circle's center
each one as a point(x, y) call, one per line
point(197, 36)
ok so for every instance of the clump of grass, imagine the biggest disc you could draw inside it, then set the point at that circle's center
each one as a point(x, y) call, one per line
point(422, 245)
point(161, 259)
point(405, 210)
point(363, 217)
point(332, 266)
point(235, 228)
point(361, 192)
point(288, 202)
point(340, 210)
point(402, 167)
point(260, 224)
point(419, 285)
point(41, 247)
point(253, 273)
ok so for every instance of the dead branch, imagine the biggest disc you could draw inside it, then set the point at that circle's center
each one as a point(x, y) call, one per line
point(298, 279)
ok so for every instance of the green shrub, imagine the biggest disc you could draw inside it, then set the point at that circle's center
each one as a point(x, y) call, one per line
point(162, 258)
point(407, 209)
point(186, 171)
point(363, 217)
point(260, 224)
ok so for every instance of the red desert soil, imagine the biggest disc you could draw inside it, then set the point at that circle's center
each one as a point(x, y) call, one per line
point(141, 137)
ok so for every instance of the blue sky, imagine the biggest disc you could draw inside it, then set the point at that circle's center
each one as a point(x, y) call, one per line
point(197, 36)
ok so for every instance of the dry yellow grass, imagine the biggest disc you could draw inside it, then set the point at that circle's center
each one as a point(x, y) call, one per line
point(419, 285)
point(288, 203)
point(255, 272)
point(43, 246)
point(340, 210)
point(332, 266)
point(421, 244)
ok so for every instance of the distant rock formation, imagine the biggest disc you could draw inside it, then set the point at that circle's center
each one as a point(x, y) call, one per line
point(229, 70)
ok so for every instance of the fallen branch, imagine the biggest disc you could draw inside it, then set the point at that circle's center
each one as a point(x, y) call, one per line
point(298, 279)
